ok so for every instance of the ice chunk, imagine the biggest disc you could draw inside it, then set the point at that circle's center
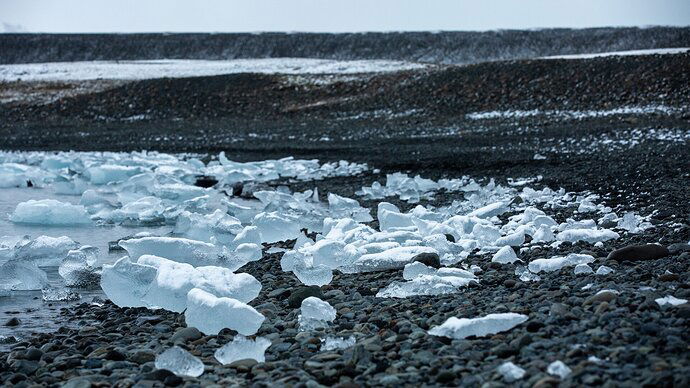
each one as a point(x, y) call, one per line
point(437, 284)
point(182, 250)
point(315, 313)
point(412, 270)
point(56, 295)
point(78, 268)
point(525, 275)
point(242, 348)
point(604, 270)
point(511, 372)
point(49, 212)
point(8, 245)
point(348, 207)
point(180, 362)
point(505, 255)
point(211, 314)
point(583, 269)
point(174, 281)
point(486, 234)
point(514, 240)
point(491, 210)
point(389, 259)
point(17, 275)
point(108, 173)
point(557, 262)
point(558, 368)
point(217, 225)
point(317, 275)
point(335, 343)
point(390, 220)
point(673, 301)
point(628, 222)
point(459, 328)
point(274, 227)
point(46, 250)
point(543, 234)
point(589, 235)
point(126, 283)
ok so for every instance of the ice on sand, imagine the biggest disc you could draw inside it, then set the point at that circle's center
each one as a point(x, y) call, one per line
point(49, 212)
point(557, 262)
point(182, 250)
point(505, 255)
point(242, 348)
point(46, 250)
point(673, 301)
point(78, 268)
point(126, 283)
point(211, 314)
point(18, 275)
point(315, 313)
point(459, 328)
point(335, 343)
point(180, 362)
point(558, 368)
point(510, 372)
point(174, 281)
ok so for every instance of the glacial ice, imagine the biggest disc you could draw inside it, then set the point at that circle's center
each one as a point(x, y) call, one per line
point(45, 250)
point(211, 314)
point(335, 343)
point(425, 280)
point(459, 328)
point(557, 262)
point(558, 368)
point(49, 212)
point(242, 348)
point(59, 295)
point(108, 173)
point(126, 283)
point(180, 362)
point(583, 269)
point(182, 250)
point(604, 270)
point(315, 313)
point(510, 372)
point(174, 281)
point(390, 259)
point(669, 299)
point(505, 255)
point(79, 269)
point(18, 275)
point(273, 227)
point(588, 235)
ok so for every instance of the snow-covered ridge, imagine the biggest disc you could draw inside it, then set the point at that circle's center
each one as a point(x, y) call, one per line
point(176, 68)
point(661, 51)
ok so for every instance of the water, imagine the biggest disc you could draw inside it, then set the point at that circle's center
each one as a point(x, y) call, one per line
point(35, 314)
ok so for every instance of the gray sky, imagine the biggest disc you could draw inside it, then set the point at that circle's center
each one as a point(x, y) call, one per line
point(331, 15)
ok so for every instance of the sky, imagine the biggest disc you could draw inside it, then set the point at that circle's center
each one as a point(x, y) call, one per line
point(332, 15)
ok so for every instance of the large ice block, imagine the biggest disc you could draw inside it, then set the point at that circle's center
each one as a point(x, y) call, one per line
point(210, 314)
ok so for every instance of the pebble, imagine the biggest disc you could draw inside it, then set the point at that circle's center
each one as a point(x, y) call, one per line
point(639, 252)
point(186, 334)
point(428, 258)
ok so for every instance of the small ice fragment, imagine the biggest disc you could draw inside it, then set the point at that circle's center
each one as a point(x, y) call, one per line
point(182, 250)
point(588, 235)
point(511, 372)
point(505, 255)
point(317, 275)
point(525, 275)
point(56, 295)
point(557, 262)
point(126, 283)
point(78, 268)
point(583, 269)
point(334, 343)
point(587, 286)
point(558, 368)
point(242, 348)
point(180, 362)
point(412, 270)
point(595, 360)
point(604, 270)
point(210, 314)
point(315, 313)
point(459, 328)
point(389, 259)
point(45, 250)
point(628, 222)
point(17, 275)
point(491, 210)
point(514, 240)
point(475, 269)
point(49, 212)
point(669, 299)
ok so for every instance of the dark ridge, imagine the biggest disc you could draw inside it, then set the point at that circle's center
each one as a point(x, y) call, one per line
point(440, 47)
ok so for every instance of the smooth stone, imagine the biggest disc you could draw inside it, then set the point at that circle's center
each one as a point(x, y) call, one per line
point(639, 252)
point(604, 296)
point(302, 293)
point(186, 334)
point(428, 258)
point(77, 382)
point(14, 321)
point(24, 366)
point(33, 354)
point(678, 248)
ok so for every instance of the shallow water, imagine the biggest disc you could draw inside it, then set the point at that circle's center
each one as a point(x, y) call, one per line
point(35, 314)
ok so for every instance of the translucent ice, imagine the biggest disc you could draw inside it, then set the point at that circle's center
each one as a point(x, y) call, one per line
point(557, 262)
point(111, 173)
point(486, 234)
point(182, 250)
point(514, 240)
point(46, 250)
point(505, 255)
point(389, 259)
point(174, 281)
point(673, 301)
point(334, 343)
point(589, 235)
point(315, 313)
point(180, 362)
point(604, 270)
point(491, 210)
point(126, 283)
point(583, 269)
point(58, 295)
point(459, 328)
point(211, 314)
point(78, 268)
point(49, 212)
point(16, 275)
point(511, 372)
point(242, 348)
point(558, 368)
point(412, 270)
point(441, 282)
point(274, 227)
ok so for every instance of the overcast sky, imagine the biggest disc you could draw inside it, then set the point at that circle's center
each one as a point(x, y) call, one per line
point(331, 15)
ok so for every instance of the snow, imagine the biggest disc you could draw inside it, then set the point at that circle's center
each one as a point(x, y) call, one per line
point(459, 328)
point(49, 212)
point(558, 368)
point(211, 314)
point(656, 51)
point(180, 362)
point(510, 372)
point(671, 300)
point(243, 348)
point(315, 313)
point(176, 68)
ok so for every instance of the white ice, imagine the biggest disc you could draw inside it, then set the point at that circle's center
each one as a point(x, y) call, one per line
point(510, 372)
point(211, 314)
point(459, 328)
point(182, 250)
point(45, 250)
point(180, 362)
point(126, 283)
point(315, 313)
point(243, 348)
point(17, 275)
point(505, 255)
point(335, 343)
point(49, 212)
point(669, 299)
point(557, 262)
point(558, 368)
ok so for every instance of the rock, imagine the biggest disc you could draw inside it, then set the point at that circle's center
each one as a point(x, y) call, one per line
point(683, 311)
point(547, 382)
point(302, 293)
point(77, 382)
point(534, 326)
point(677, 248)
point(13, 322)
point(509, 283)
point(428, 258)
point(245, 363)
point(602, 296)
point(157, 375)
point(669, 277)
point(445, 377)
point(186, 334)
point(450, 237)
point(142, 357)
point(23, 366)
point(205, 181)
point(639, 252)
point(115, 355)
point(33, 354)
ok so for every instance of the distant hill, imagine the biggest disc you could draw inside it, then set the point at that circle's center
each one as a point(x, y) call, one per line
point(437, 47)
